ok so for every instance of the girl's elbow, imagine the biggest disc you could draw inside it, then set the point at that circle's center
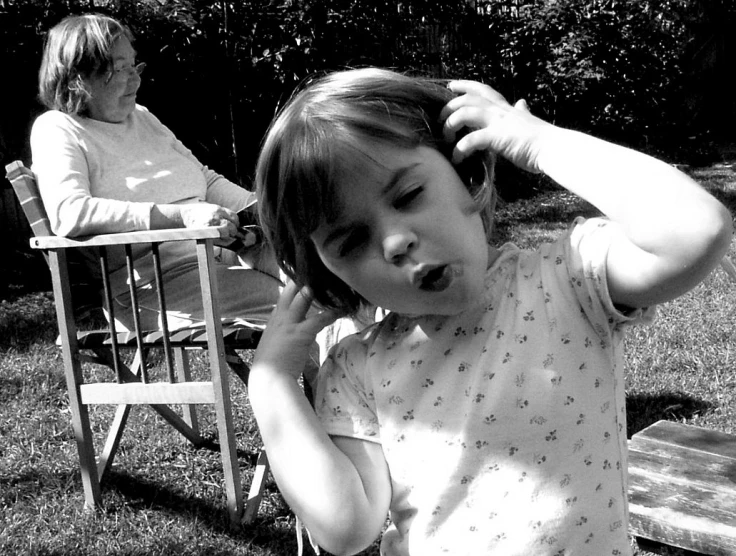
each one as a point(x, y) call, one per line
point(709, 242)
point(719, 233)
point(345, 537)
point(348, 545)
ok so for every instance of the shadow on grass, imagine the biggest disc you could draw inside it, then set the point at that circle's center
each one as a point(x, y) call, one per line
point(26, 320)
point(125, 495)
point(125, 488)
point(644, 409)
point(28, 484)
point(139, 493)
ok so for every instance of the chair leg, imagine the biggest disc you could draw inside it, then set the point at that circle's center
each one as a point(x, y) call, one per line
point(226, 434)
point(113, 440)
point(73, 373)
point(256, 488)
point(189, 411)
point(260, 474)
point(86, 449)
point(237, 365)
point(730, 268)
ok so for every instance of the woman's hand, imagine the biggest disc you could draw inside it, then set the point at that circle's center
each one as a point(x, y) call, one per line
point(291, 331)
point(201, 215)
point(197, 215)
point(509, 131)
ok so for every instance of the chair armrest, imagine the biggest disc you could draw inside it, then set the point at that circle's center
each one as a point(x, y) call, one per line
point(146, 236)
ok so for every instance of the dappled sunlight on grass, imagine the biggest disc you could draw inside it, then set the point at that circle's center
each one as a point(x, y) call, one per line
point(689, 352)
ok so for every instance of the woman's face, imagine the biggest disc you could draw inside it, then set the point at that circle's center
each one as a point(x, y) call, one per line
point(113, 92)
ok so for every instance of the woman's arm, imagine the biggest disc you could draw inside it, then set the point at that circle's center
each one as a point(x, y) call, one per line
point(340, 487)
point(672, 232)
point(220, 191)
point(62, 172)
point(62, 169)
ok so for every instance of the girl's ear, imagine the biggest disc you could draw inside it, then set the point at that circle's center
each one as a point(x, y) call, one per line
point(472, 170)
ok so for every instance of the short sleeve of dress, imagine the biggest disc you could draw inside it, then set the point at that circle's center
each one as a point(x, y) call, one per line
point(344, 400)
point(585, 250)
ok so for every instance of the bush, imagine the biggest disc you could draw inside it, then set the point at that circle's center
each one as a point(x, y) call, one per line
point(613, 68)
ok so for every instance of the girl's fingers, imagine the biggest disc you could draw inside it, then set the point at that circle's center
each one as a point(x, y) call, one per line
point(292, 301)
point(522, 105)
point(475, 88)
point(471, 92)
point(287, 295)
point(471, 143)
point(296, 304)
point(324, 318)
point(467, 116)
point(458, 103)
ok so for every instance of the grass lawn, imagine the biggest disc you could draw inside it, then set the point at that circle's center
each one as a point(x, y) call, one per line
point(165, 497)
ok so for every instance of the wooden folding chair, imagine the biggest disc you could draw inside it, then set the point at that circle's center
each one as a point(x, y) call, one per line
point(682, 483)
point(134, 384)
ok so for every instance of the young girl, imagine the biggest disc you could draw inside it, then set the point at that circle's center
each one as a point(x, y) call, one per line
point(486, 412)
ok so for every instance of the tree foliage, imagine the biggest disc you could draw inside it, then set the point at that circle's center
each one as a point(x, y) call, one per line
point(218, 70)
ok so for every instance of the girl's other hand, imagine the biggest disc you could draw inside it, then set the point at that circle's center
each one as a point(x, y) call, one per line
point(492, 123)
point(291, 332)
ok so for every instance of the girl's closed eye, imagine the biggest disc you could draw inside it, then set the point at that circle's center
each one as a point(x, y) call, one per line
point(407, 197)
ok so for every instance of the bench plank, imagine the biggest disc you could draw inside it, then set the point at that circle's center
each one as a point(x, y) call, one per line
point(682, 487)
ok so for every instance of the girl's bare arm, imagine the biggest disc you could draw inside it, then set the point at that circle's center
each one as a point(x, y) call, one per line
point(670, 232)
point(340, 489)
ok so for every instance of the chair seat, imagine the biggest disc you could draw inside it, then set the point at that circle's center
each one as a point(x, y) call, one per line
point(236, 337)
point(682, 487)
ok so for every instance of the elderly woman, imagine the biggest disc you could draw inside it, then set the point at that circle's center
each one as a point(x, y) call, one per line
point(106, 164)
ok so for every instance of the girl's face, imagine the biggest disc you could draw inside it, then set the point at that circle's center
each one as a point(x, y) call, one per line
point(113, 94)
point(408, 237)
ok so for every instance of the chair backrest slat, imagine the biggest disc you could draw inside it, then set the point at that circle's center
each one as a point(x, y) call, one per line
point(83, 263)
point(26, 189)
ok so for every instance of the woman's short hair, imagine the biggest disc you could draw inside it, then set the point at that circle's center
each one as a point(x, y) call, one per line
point(75, 48)
point(326, 123)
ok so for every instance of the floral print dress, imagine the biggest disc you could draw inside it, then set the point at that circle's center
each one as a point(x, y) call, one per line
point(504, 427)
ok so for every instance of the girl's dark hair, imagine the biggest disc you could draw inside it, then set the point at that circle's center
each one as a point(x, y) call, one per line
point(75, 48)
point(329, 120)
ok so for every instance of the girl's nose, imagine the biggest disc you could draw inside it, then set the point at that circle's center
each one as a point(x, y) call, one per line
point(397, 245)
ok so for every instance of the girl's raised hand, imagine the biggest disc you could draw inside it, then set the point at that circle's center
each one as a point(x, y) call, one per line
point(291, 331)
point(492, 123)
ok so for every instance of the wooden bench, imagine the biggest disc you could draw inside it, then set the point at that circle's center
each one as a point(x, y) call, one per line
point(682, 487)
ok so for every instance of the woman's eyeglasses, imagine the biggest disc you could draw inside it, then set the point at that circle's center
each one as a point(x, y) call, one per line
point(125, 72)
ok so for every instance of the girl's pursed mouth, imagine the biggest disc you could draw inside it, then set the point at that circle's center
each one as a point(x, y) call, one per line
point(436, 279)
